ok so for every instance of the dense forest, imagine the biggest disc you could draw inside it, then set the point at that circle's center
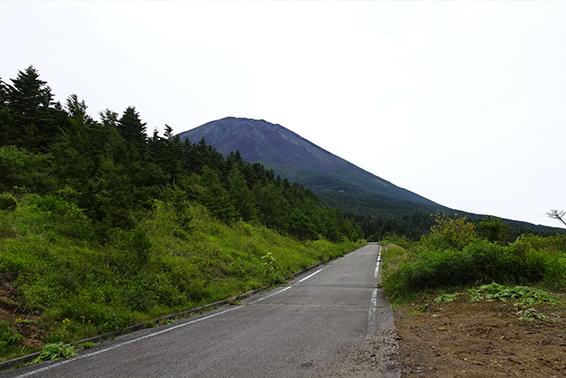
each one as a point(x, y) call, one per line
point(112, 170)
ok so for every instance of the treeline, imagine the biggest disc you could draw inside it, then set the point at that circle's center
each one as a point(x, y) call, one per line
point(112, 170)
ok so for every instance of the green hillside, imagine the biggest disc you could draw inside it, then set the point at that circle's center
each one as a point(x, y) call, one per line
point(102, 226)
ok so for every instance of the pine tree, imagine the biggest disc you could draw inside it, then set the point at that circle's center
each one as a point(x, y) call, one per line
point(301, 226)
point(131, 127)
point(168, 132)
point(216, 197)
point(109, 118)
point(34, 124)
point(28, 94)
point(77, 111)
point(242, 197)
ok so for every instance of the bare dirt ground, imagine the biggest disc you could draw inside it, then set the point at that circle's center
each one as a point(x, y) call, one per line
point(479, 339)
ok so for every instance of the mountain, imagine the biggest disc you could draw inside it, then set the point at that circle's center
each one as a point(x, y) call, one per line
point(338, 182)
point(300, 160)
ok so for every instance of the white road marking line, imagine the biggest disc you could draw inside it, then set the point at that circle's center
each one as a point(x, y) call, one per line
point(272, 294)
point(376, 270)
point(310, 275)
point(371, 310)
point(377, 263)
point(28, 374)
point(289, 287)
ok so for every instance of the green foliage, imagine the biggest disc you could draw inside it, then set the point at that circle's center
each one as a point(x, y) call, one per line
point(522, 295)
point(23, 171)
point(530, 314)
point(301, 226)
point(493, 229)
point(7, 202)
point(242, 197)
point(9, 337)
point(113, 171)
point(55, 352)
point(449, 233)
point(88, 345)
point(440, 260)
point(445, 298)
point(215, 196)
point(112, 227)
point(81, 287)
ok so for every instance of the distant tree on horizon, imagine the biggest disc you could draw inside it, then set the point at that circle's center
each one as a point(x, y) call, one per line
point(558, 215)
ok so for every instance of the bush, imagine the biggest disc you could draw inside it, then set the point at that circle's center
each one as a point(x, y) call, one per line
point(449, 233)
point(479, 262)
point(9, 337)
point(7, 202)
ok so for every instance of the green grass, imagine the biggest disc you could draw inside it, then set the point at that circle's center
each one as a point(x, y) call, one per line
point(433, 265)
point(77, 286)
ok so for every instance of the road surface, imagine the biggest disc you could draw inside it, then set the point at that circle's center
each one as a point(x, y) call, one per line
point(319, 324)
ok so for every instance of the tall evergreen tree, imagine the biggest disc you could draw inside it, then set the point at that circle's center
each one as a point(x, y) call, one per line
point(34, 124)
point(216, 197)
point(77, 110)
point(168, 132)
point(109, 118)
point(28, 94)
point(242, 196)
point(131, 127)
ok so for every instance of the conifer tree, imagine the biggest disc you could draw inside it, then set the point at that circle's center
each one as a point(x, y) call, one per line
point(33, 121)
point(77, 111)
point(242, 197)
point(131, 127)
point(28, 94)
point(109, 118)
point(216, 197)
point(168, 134)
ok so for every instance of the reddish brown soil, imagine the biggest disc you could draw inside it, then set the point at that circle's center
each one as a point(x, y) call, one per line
point(480, 339)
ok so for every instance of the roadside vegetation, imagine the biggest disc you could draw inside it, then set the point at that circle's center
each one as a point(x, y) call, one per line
point(102, 226)
point(456, 253)
point(468, 301)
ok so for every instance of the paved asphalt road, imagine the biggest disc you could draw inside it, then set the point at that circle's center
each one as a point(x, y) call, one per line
point(302, 329)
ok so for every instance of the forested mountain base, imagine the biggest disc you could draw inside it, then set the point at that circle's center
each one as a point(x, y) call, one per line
point(101, 226)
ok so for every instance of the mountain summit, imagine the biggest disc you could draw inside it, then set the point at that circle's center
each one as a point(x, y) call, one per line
point(299, 160)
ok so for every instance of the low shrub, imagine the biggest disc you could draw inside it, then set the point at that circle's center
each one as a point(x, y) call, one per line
point(440, 260)
point(7, 202)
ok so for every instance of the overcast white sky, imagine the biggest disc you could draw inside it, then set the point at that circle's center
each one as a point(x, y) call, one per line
point(463, 103)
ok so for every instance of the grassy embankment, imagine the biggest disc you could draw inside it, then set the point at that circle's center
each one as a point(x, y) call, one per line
point(59, 283)
point(465, 306)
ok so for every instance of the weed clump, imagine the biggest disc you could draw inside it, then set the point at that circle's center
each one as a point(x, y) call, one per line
point(523, 295)
point(445, 298)
point(55, 352)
